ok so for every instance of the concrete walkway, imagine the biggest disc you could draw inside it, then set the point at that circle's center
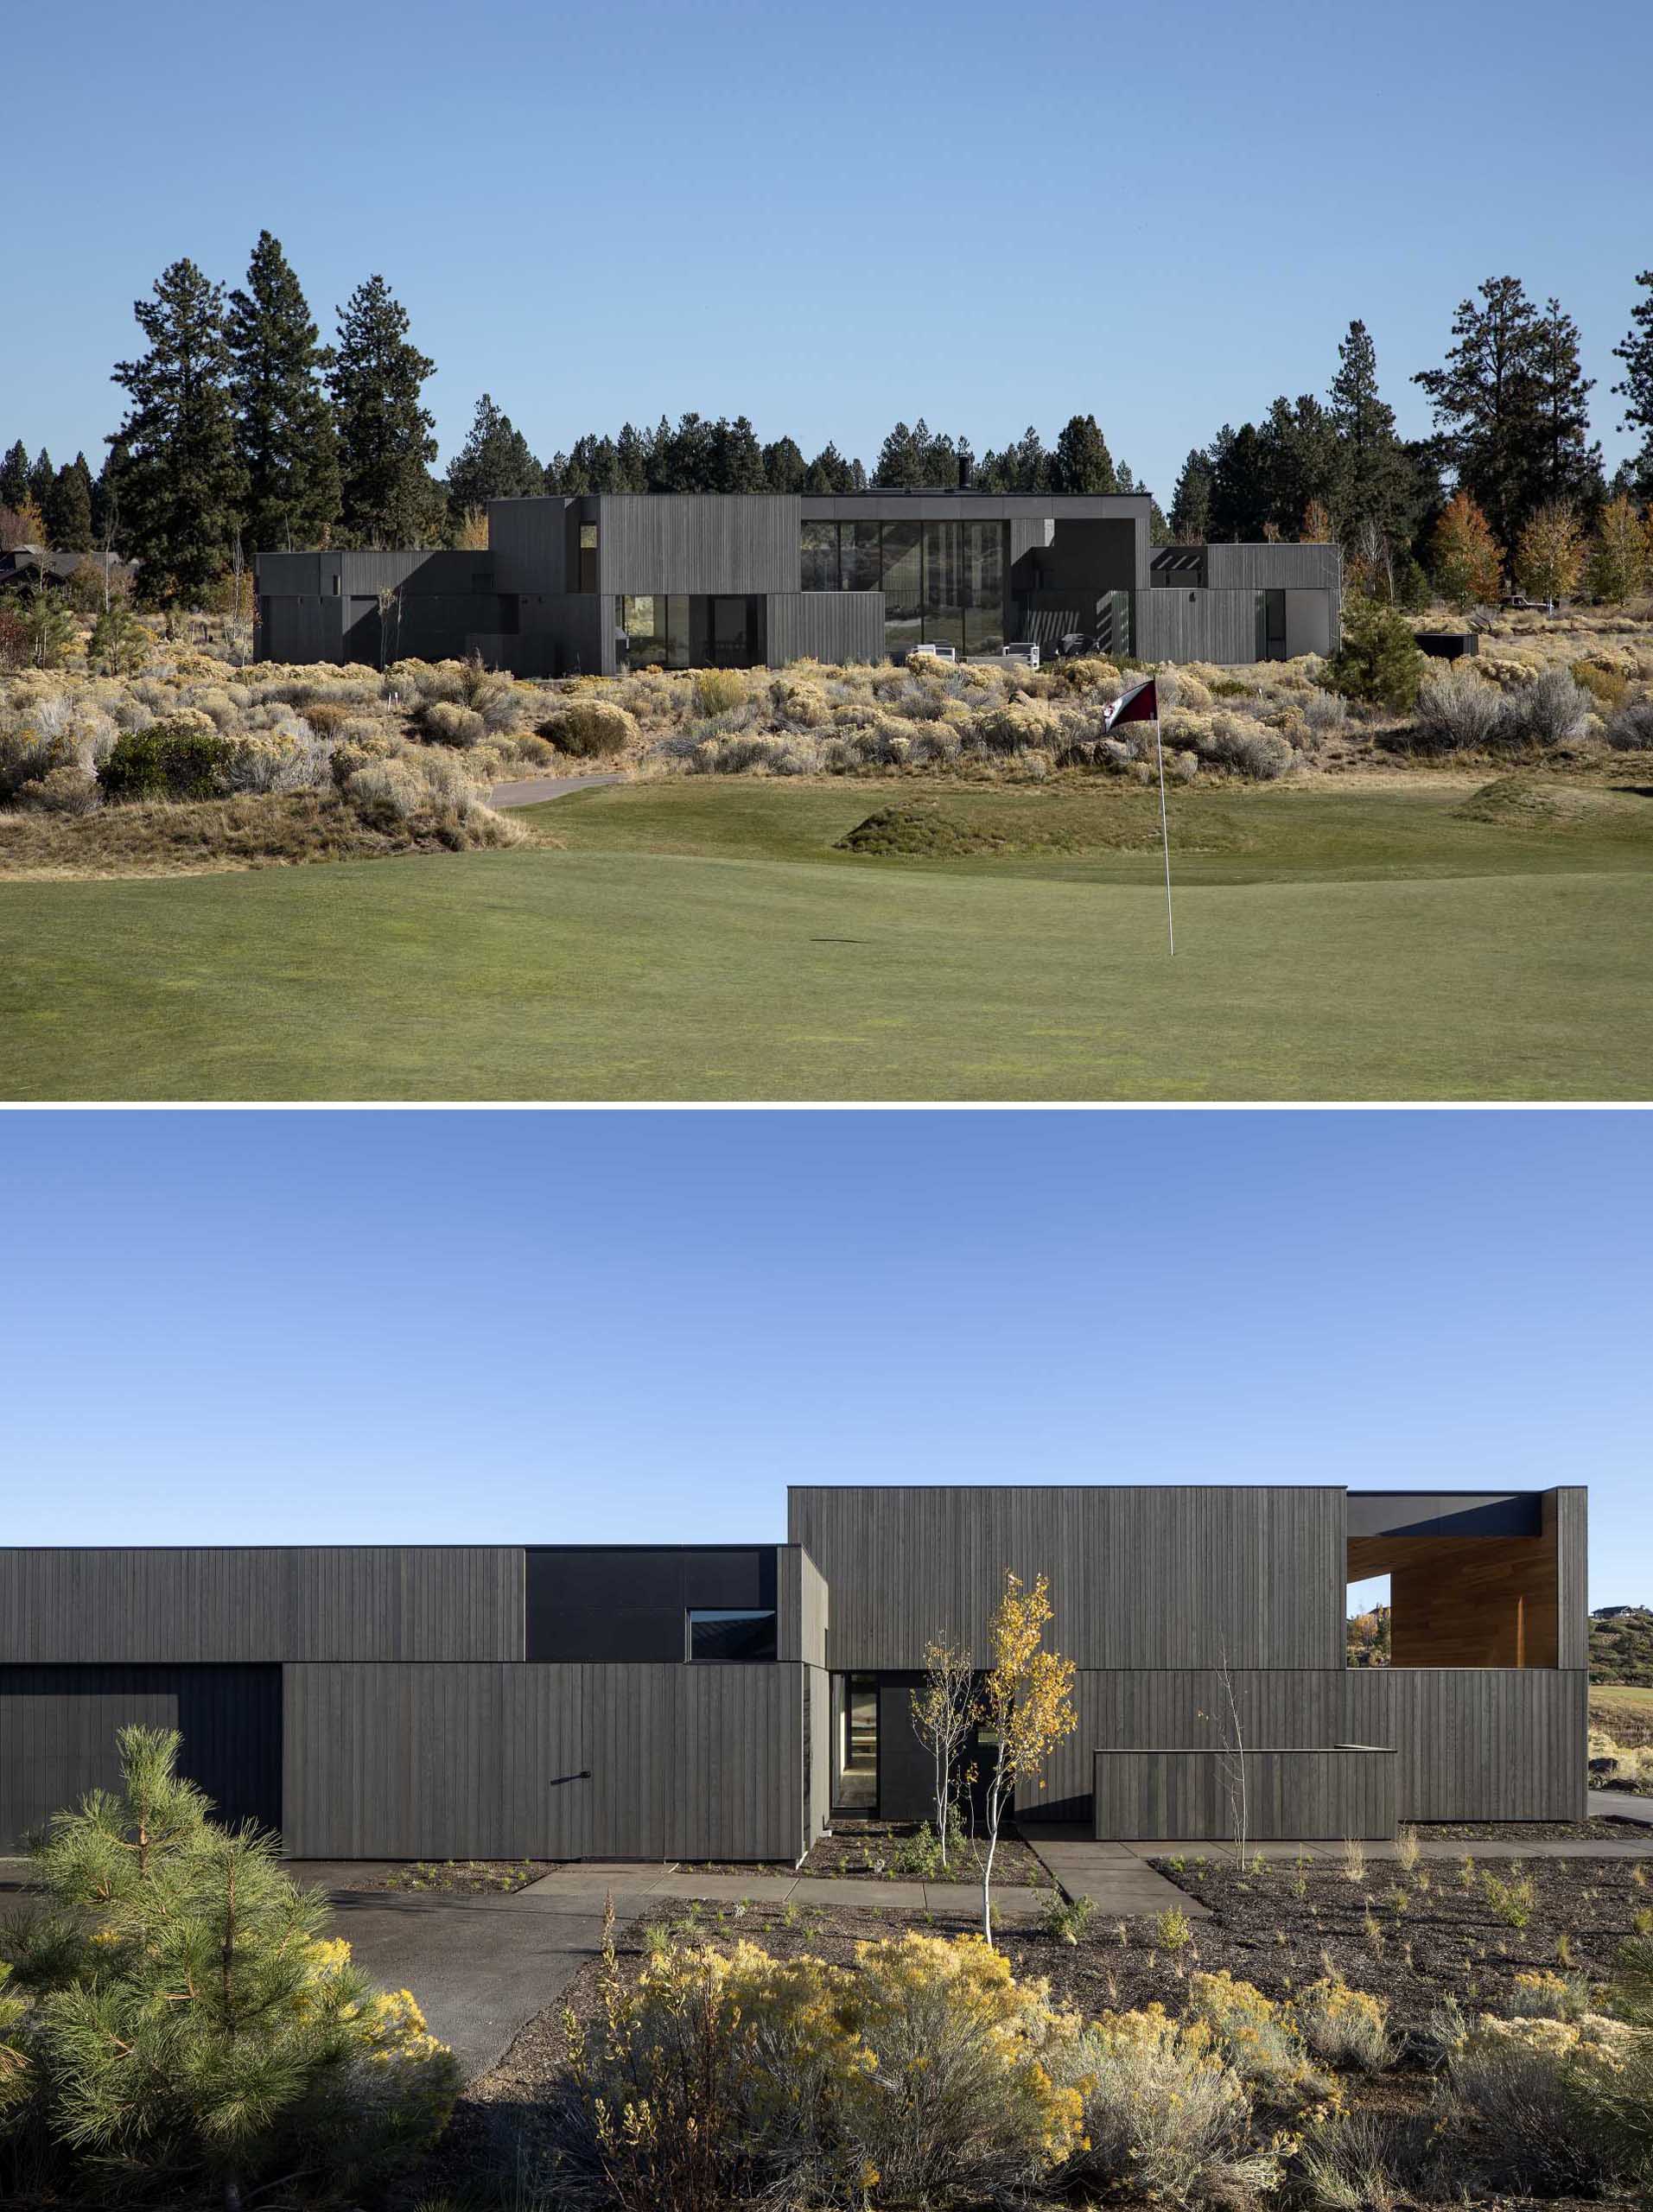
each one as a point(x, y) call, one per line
point(532, 789)
point(663, 1887)
point(1116, 1877)
point(1620, 1805)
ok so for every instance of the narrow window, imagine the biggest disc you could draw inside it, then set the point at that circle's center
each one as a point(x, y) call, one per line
point(587, 556)
point(721, 1638)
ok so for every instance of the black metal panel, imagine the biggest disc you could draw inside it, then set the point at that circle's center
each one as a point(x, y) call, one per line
point(57, 1736)
point(629, 1602)
point(1444, 1513)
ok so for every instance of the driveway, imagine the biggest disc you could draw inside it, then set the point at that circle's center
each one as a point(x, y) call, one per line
point(532, 789)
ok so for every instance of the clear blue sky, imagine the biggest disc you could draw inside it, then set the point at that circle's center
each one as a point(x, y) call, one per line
point(537, 1326)
point(831, 217)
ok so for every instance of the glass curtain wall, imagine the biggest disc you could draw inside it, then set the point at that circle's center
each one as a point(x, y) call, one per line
point(678, 630)
point(942, 581)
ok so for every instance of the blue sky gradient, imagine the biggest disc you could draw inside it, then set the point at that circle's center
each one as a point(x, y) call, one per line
point(419, 1326)
point(829, 218)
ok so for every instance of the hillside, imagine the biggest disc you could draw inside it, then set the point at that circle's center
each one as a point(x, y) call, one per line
point(1621, 1645)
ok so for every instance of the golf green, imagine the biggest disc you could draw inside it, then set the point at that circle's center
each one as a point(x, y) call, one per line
point(696, 942)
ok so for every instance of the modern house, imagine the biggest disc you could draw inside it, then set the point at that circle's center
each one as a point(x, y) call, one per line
point(699, 1701)
point(603, 582)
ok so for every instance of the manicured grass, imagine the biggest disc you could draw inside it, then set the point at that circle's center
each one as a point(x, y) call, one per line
point(704, 940)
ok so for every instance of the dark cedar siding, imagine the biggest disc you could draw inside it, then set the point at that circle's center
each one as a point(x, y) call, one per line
point(697, 542)
point(1172, 1795)
point(835, 626)
point(57, 1735)
point(262, 1603)
point(1140, 1577)
point(544, 1761)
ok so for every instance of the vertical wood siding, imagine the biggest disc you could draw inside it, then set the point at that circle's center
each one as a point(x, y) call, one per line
point(1170, 624)
point(262, 1604)
point(835, 626)
point(1170, 1793)
point(801, 1624)
point(559, 1761)
point(697, 542)
point(57, 1736)
point(1139, 1577)
point(1273, 567)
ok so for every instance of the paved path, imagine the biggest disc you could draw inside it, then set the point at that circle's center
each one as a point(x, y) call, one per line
point(1116, 1877)
point(1620, 1805)
point(532, 789)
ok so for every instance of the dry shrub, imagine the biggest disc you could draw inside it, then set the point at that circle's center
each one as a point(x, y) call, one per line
point(588, 729)
point(63, 791)
point(718, 690)
point(1457, 712)
point(1342, 2026)
point(1258, 2038)
point(1524, 2084)
point(923, 2076)
point(1631, 730)
point(1166, 2118)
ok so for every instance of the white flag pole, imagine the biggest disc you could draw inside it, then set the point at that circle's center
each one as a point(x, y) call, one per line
point(1164, 833)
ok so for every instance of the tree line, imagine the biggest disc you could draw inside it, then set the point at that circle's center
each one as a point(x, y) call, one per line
point(243, 431)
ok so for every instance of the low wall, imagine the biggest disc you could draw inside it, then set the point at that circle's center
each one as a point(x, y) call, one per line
point(1345, 1789)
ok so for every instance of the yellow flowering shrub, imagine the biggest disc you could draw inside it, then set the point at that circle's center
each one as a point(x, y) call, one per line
point(1164, 2118)
point(925, 2074)
point(1259, 2039)
point(1343, 2026)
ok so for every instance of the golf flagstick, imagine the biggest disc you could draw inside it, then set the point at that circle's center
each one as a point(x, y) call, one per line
point(1164, 833)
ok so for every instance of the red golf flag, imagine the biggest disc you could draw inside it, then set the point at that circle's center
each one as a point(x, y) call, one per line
point(1140, 704)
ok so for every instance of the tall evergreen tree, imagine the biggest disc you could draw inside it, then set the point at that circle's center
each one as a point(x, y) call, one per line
point(494, 463)
point(1242, 490)
point(68, 511)
point(1635, 388)
point(1191, 502)
point(1024, 467)
point(1567, 464)
point(13, 477)
point(284, 425)
point(784, 465)
point(1503, 396)
point(829, 471)
point(1379, 486)
point(734, 458)
point(41, 477)
point(1081, 461)
point(181, 485)
point(1301, 462)
point(385, 446)
point(917, 458)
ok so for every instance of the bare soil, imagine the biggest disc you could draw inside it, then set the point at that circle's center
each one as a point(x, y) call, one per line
point(467, 1878)
point(873, 1851)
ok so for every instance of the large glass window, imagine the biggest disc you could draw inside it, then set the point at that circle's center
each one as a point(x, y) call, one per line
point(903, 577)
point(587, 556)
point(641, 621)
point(817, 557)
point(982, 555)
point(724, 1638)
point(859, 555)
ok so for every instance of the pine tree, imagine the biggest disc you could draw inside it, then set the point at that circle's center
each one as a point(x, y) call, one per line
point(385, 446)
point(1378, 487)
point(784, 465)
point(1464, 555)
point(13, 477)
point(1619, 559)
point(1191, 502)
point(1300, 459)
point(1567, 465)
point(1549, 553)
point(918, 459)
point(1377, 658)
point(1511, 403)
point(68, 511)
point(1081, 461)
point(1241, 485)
point(1023, 466)
point(191, 2023)
point(829, 473)
point(1635, 388)
point(182, 484)
point(41, 477)
point(494, 463)
point(284, 425)
point(735, 458)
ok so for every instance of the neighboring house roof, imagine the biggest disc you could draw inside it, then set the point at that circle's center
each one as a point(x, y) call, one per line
point(37, 564)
